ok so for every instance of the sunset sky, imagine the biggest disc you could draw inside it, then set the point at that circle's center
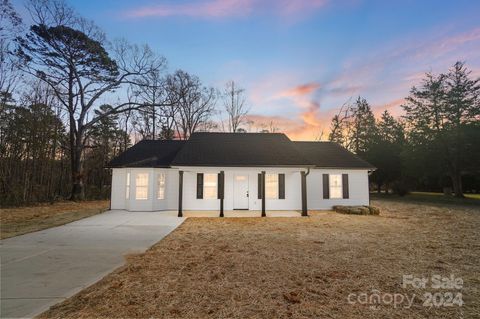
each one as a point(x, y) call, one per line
point(299, 61)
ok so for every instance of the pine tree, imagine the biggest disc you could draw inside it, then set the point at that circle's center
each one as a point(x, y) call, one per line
point(363, 130)
point(439, 114)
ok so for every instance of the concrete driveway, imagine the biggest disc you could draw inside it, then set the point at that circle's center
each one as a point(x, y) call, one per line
point(43, 268)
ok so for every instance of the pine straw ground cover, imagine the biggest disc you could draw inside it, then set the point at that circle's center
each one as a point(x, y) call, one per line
point(21, 220)
point(293, 267)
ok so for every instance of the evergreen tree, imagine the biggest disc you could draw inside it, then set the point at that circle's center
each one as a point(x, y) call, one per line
point(363, 128)
point(336, 131)
point(438, 115)
point(385, 152)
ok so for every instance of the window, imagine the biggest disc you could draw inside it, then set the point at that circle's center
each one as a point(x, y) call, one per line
point(336, 186)
point(141, 183)
point(271, 186)
point(127, 189)
point(161, 186)
point(210, 186)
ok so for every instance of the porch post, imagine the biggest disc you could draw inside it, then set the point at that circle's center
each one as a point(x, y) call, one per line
point(180, 193)
point(304, 194)
point(263, 194)
point(222, 191)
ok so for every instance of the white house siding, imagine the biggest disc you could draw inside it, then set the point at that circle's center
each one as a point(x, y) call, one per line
point(358, 188)
point(119, 180)
point(118, 188)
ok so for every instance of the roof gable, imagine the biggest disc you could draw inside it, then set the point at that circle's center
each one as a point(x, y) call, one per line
point(239, 149)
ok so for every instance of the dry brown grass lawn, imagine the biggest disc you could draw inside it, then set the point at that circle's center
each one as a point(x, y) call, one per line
point(22, 220)
point(293, 267)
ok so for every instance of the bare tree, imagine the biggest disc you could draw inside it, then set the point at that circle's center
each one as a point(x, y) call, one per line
point(10, 24)
point(72, 60)
point(123, 122)
point(161, 110)
point(234, 103)
point(269, 127)
point(340, 126)
point(320, 134)
point(195, 102)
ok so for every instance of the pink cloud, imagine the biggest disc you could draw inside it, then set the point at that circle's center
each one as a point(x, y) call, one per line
point(226, 8)
point(408, 59)
point(300, 90)
point(448, 44)
point(308, 126)
point(212, 9)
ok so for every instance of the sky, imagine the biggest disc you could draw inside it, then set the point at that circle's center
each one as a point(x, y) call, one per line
point(300, 60)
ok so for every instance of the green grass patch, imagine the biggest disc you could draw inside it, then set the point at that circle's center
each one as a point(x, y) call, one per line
point(431, 198)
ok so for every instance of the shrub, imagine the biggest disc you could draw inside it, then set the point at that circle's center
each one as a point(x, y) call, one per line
point(357, 210)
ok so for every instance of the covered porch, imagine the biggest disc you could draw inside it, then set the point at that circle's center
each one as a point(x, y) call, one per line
point(287, 196)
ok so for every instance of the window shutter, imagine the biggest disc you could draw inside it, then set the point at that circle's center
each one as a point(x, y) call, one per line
point(326, 187)
point(345, 185)
point(281, 186)
point(259, 186)
point(199, 185)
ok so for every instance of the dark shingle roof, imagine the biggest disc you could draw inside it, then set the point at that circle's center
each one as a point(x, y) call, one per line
point(148, 153)
point(239, 149)
point(331, 155)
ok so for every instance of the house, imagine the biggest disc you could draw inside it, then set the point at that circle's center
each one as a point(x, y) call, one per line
point(237, 171)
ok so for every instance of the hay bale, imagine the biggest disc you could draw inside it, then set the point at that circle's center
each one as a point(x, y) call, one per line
point(356, 210)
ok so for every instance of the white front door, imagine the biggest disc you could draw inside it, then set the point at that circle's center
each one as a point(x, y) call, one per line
point(240, 192)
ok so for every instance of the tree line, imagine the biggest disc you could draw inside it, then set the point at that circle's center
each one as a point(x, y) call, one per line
point(434, 146)
point(71, 100)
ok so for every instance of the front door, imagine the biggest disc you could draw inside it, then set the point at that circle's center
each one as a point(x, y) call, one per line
point(240, 192)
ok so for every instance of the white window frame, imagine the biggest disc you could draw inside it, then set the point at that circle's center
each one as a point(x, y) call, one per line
point(271, 186)
point(210, 186)
point(335, 186)
point(142, 186)
point(127, 186)
point(161, 182)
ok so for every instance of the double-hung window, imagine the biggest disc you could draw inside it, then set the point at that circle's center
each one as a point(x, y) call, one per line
point(210, 186)
point(161, 186)
point(336, 190)
point(271, 186)
point(141, 186)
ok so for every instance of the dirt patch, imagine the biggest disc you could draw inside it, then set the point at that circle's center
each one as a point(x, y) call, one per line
point(22, 220)
point(293, 267)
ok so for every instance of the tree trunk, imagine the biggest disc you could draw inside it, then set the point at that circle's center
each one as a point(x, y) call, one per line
point(457, 184)
point(78, 190)
point(379, 188)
